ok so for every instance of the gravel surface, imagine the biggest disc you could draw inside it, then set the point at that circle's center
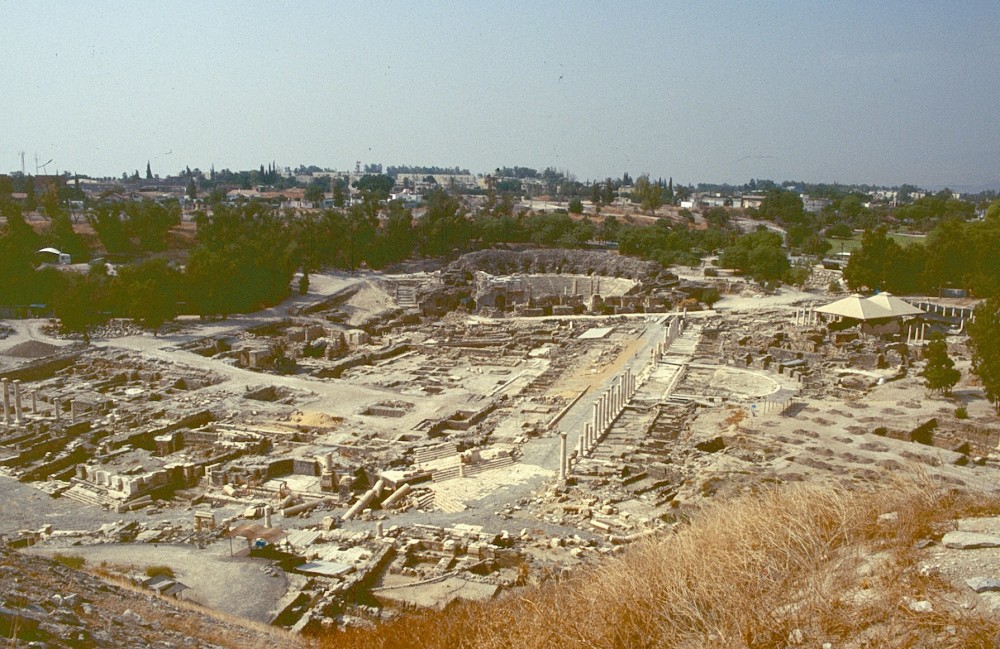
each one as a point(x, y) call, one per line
point(242, 586)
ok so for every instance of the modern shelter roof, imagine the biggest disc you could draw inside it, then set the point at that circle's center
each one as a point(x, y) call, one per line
point(856, 307)
point(883, 305)
point(897, 306)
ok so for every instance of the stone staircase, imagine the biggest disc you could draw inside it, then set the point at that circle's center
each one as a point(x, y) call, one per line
point(448, 504)
point(430, 453)
point(82, 494)
point(495, 463)
point(406, 296)
point(447, 473)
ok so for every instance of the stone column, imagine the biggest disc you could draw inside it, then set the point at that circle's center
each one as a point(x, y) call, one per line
point(267, 516)
point(588, 436)
point(17, 401)
point(596, 418)
point(58, 409)
point(562, 455)
point(72, 411)
point(34, 402)
point(6, 402)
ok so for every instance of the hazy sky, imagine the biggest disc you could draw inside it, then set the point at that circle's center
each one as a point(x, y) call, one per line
point(880, 92)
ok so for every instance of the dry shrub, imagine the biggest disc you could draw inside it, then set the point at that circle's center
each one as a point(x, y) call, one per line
point(160, 571)
point(74, 561)
point(787, 562)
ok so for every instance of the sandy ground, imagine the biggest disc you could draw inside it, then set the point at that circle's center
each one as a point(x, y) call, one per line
point(237, 585)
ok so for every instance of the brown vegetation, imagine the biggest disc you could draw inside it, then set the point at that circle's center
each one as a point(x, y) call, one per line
point(791, 565)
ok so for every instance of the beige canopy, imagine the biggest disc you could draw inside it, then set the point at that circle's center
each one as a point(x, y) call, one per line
point(856, 307)
point(883, 305)
point(897, 306)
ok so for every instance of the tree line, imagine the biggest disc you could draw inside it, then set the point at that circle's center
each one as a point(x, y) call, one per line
point(957, 254)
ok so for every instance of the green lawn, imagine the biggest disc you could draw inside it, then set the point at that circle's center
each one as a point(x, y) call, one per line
point(848, 245)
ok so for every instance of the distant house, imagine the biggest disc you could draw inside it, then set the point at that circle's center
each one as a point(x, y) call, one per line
point(752, 200)
point(234, 195)
point(714, 200)
point(815, 205)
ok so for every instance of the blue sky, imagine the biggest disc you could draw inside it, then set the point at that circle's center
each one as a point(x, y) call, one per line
point(703, 92)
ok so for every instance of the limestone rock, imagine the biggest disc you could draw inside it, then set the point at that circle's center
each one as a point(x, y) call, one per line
point(983, 584)
point(970, 540)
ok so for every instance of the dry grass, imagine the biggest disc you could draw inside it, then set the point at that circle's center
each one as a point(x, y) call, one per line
point(791, 565)
point(74, 561)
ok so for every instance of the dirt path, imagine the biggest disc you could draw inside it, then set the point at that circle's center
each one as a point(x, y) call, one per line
point(236, 585)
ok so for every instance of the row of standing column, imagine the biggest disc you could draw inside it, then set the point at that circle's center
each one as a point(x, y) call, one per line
point(610, 405)
point(954, 312)
point(670, 334)
point(806, 316)
point(13, 413)
point(916, 334)
point(606, 410)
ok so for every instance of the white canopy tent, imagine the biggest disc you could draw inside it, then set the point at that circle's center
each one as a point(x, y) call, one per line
point(855, 307)
point(898, 307)
point(877, 307)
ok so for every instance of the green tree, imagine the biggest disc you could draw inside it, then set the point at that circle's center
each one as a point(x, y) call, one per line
point(244, 259)
point(993, 211)
point(377, 185)
point(840, 231)
point(717, 217)
point(316, 191)
point(394, 239)
point(609, 192)
point(151, 290)
point(948, 260)
point(939, 373)
point(816, 245)
point(22, 283)
point(647, 193)
point(984, 340)
point(30, 200)
point(576, 206)
point(608, 231)
point(595, 194)
point(150, 222)
point(106, 220)
point(870, 265)
point(80, 303)
point(444, 226)
point(782, 207)
point(759, 254)
point(61, 235)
